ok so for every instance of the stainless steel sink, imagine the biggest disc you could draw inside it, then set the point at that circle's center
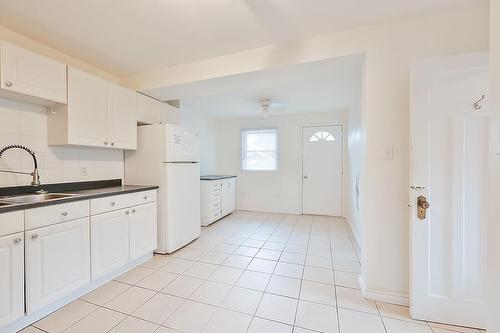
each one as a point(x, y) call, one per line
point(34, 198)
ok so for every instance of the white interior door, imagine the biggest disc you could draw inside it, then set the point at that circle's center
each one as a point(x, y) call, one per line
point(449, 144)
point(322, 170)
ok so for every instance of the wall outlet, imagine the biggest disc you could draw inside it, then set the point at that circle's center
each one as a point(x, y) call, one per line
point(84, 171)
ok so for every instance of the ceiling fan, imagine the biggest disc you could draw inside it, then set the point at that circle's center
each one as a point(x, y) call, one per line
point(267, 105)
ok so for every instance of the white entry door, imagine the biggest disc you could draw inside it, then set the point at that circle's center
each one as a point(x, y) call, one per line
point(322, 170)
point(449, 146)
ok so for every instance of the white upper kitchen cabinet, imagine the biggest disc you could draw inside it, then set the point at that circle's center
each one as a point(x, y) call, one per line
point(87, 115)
point(12, 278)
point(98, 114)
point(57, 262)
point(152, 111)
point(31, 77)
point(122, 117)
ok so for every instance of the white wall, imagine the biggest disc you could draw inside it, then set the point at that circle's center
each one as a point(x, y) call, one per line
point(27, 125)
point(390, 48)
point(494, 229)
point(353, 164)
point(206, 126)
point(270, 191)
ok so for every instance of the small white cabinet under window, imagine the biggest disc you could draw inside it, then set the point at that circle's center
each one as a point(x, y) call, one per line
point(11, 277)
point(31, 77)
point(228, 195)
point(98, 114)
point(217, 198)
point(57, 262)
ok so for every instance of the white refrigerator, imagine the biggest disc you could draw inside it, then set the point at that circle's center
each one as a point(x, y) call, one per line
point(168, 156)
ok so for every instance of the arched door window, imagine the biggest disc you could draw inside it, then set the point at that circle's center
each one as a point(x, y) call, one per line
point(322, 136)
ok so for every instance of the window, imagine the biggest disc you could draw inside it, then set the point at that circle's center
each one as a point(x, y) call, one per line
point(320, 136)
point(258, 149)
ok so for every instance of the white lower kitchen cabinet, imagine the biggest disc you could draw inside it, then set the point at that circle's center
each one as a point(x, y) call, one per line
point(217, 199)
point(11, 278)
point(143, 230)
point(57, 262)
point(110, 242)
point(228, 194)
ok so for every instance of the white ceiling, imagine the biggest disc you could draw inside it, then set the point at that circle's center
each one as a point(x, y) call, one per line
point(130, 36)
point(321, 86)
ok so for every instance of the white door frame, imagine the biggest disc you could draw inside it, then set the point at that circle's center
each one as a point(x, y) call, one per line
point(341, 125)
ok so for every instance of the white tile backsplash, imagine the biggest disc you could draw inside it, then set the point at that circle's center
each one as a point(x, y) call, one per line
point(26, 124)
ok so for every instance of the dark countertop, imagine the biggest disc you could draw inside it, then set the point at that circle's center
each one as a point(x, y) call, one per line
point(84, 191)
point(216, 177)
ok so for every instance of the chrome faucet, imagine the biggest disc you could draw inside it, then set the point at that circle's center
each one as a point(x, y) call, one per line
point(35, 181)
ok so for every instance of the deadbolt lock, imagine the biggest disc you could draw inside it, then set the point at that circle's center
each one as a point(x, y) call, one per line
point(422, 206)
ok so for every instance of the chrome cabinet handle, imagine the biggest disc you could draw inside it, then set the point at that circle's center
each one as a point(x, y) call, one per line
point(127, 212)
point(112, 203)
point(64, 213)
point(8, 84)
point(35, 236)
point(145, 197)
point(133, 210)
point(112, 143)
point(17, 240)
point(105, 143)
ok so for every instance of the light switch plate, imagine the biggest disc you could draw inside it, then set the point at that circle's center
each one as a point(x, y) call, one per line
point(387, 152)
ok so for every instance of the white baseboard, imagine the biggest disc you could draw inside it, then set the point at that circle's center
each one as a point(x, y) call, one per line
point(383, 296)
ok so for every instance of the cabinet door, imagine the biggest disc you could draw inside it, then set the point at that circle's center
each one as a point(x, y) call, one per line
point(57, 262)
point(31, 74)
point(122, 117)
point(87, 109)
point(228, 195)
point(143, 226)
point(110, 242)
point(11, 278)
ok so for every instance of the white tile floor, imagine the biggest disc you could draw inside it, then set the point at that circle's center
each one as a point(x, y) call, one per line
point(250, 272)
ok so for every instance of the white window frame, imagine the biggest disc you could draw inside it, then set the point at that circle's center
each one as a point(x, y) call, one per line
point(243, 147)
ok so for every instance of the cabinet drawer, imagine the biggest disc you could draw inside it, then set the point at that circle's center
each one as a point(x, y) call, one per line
point(215, 204)
point(216, 194)
point(216, 214)
point(44, 216)
point(11, 223)
point(108, 204)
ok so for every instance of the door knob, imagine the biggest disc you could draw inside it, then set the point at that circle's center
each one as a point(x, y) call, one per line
point(422, 206)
